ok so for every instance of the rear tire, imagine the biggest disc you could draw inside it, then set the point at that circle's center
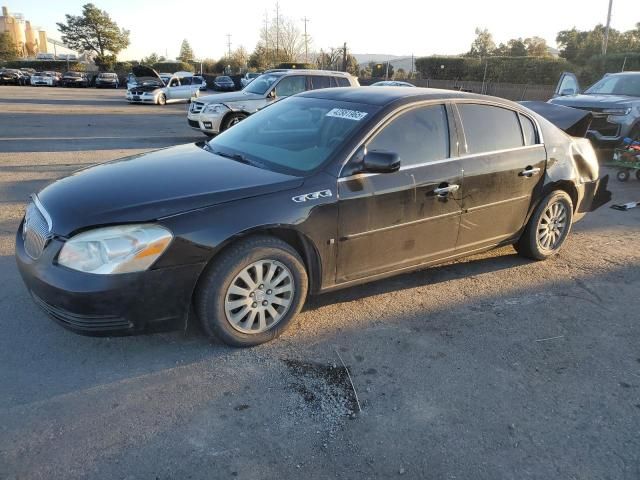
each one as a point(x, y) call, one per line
point(252, 292)
point(547, 228)
point(232, 119)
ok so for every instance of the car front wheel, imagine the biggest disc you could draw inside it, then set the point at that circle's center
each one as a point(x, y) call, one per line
point(232, 119)
point(162, 99)
point(252, 292)
point(548, 227)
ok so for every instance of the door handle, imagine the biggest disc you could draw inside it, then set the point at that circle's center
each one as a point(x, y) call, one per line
point(529, 172)
point(444, 191)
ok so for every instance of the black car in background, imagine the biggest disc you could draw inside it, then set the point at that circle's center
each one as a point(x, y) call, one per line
point(224, 84)
point(319, 191)
point(107, 80)
point(10, 76)
point(74, 79)
point(614, 102)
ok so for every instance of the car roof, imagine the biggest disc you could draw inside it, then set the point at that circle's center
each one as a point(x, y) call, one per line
point(382, 96)
point(624, 74)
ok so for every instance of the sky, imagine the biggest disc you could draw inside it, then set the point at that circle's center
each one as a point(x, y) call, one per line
point(419, 27)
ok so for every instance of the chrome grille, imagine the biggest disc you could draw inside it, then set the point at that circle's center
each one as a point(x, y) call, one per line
point(36, 231)
point(196, 107)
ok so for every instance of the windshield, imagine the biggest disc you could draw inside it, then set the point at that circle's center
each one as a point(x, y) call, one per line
point(261, 84)
point(107, 75)
point(617, 85)
point(295, 135)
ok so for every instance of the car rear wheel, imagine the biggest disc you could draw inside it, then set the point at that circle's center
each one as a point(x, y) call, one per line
point(162, 99)
point(233, 119)
point(252, 292)
point(548, 227)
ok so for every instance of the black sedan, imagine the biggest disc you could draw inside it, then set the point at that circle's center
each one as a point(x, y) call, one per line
point(224, 84)
point(323, 190)
point(74, 79)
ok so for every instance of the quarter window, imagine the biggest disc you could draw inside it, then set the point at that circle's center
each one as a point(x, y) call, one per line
point(291, 85)
point(528, 130)
point(489, 128)
point(418, 136)
point(342, 82)
point(318, 81)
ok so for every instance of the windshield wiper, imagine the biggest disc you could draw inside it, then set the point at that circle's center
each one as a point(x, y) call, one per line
point(233, 156)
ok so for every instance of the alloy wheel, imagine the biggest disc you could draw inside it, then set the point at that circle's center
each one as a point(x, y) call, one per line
point(259, 296)
point(552, 226)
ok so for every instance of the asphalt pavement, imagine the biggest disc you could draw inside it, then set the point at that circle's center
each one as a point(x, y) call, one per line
point(494, 367)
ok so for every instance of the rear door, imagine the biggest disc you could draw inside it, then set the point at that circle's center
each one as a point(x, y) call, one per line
point(503, 171)
point(395, 220)
point(567, 85)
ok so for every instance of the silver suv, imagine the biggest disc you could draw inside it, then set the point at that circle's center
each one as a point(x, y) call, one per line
point(215, 113)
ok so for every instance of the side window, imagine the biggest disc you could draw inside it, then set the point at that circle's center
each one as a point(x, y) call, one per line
point(185, 81)
point(174, 83)
point(291, 85)
point(528, 130)
point(418, 136)
point(489, 128)
point(320, 81)
point(342, 82)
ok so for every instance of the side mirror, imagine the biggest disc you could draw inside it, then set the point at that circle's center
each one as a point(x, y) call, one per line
point(380, 162)
point(567, 91)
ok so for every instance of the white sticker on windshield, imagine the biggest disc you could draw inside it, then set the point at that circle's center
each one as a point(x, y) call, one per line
point(348, 114)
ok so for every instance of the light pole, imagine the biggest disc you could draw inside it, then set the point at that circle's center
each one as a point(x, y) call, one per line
point(606, 31)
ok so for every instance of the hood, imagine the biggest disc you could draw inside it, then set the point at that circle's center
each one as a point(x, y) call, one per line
point(595, 102)
point(571, 120)
point(142, 71)
point(240, 96)
point(154, 185)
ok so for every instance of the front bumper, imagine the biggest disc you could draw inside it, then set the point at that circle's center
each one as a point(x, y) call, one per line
point(141, 98)
point(107, 304)
point(205, 122)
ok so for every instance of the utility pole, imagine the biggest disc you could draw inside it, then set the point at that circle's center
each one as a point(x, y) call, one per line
point(306, 41)
point(277, 31)
point(344, 57)
point(266, 36)
point(606, 31)
point(228, 45)
point(413, 64)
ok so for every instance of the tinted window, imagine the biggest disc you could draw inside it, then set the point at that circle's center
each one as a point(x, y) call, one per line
point(174, 83)
point(291, 85)
point(185, 80)
point(488, 128)
point(294, 135)
point(528, 130)
point(418, 136)
point(318, 81)
point(343, 82)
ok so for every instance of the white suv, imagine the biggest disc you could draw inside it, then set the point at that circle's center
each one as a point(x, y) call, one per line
point(215, 113)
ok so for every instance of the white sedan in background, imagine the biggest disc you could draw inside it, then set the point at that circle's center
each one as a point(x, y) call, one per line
point(148, 87)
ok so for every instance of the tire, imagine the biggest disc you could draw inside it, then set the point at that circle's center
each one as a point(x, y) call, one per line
point(162, 99)
point(233, 316)
point(556, 207)
point(232, 119)
point(623, 175)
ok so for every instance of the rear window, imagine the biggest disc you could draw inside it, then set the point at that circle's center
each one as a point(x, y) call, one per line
point(488, 128)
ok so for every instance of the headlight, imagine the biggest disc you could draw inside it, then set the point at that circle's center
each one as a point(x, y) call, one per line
point(214, 108)
point(123, 249)
point(617, 111)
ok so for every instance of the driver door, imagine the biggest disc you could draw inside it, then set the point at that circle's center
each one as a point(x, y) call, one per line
point(173, 89)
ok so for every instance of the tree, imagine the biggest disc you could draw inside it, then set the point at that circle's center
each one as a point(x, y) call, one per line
point(152, 59)
point(536, 47)
point(381, 70)
point(280, 42)
point(483, 45)
point(94, 31)
point(8, 49)
point(578, 46)
point(186, 52)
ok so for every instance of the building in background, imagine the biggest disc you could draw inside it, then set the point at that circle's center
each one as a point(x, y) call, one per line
point(30, 40)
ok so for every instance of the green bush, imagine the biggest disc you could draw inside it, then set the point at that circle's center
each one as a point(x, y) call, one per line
point(47, 65)
point(598, 65)
point(521, 70)
point(172, 67)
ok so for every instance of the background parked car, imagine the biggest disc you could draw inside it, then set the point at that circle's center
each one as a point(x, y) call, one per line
point(107, 80)
point(10, 76)
point(247, 78)
point(224, 84)
point(392, 83)
point(48, 79)
point(614, 102)
point(75, 79)
point(199, 80)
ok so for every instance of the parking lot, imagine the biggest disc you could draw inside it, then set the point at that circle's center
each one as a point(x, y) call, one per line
point(494, 367)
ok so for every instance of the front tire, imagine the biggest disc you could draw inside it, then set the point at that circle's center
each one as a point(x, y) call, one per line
point(547, 228)
point(162, 99)
point(252, 292)
point(232, 119)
